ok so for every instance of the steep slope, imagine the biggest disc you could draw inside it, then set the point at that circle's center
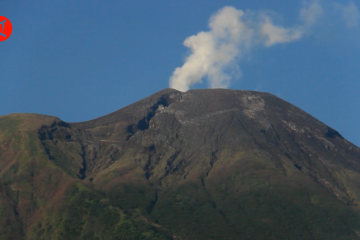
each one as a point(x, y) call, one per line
point(205, 164)
point(41, 192)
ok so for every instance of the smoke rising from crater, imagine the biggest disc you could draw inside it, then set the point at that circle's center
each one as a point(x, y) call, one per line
point(214, 55)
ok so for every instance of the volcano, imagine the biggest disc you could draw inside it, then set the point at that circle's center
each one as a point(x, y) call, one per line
point(202, 164)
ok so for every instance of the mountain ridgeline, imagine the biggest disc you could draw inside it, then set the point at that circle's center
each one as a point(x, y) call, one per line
point(201, 164)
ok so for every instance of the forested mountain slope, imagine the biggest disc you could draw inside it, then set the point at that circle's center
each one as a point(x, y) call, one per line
point(204, 164)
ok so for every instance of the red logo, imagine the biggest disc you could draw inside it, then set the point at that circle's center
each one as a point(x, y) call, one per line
point(5, 28)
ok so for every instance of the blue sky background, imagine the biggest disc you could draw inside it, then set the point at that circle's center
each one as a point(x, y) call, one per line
point(79, 60)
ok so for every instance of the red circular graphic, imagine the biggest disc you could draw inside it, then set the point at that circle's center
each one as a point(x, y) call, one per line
point(5, 28)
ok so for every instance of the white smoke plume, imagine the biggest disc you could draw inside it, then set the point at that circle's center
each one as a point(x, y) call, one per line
point(232, 34)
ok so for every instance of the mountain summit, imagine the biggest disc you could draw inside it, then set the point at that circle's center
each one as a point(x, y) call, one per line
point(201, 164)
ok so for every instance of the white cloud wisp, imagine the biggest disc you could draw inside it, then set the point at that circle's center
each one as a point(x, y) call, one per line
point(349, 13)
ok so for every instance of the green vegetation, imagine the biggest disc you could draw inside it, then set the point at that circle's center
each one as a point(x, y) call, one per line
point(259, 213)
point(66, 156)
point(88, 214)
point(9, 124)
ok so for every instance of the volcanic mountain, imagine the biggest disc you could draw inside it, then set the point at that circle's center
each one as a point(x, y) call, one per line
point(201, 164)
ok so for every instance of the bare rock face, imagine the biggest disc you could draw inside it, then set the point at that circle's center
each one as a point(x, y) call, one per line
point(170, 133)
point(203, 164)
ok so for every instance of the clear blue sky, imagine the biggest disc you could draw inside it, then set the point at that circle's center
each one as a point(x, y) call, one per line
point(79, 60)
